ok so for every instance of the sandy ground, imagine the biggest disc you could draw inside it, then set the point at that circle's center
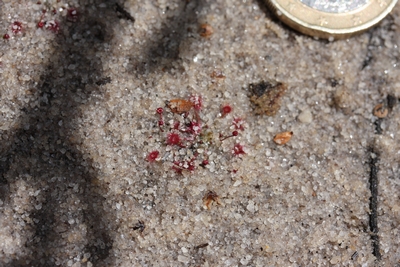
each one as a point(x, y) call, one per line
point(92, 173)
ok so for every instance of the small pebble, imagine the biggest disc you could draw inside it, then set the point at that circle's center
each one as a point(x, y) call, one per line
point(305, 116)
point(183, 259)
point(251, 207)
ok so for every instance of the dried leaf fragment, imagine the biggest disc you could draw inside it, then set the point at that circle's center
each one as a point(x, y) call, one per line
point(380, 111)
point(266, 97)
point(206, 30)
point(209, 198)
point(179, 105)
point(283, 138)
point(217, 74)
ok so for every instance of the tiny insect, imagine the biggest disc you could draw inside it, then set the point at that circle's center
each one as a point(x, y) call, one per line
point(179, 106)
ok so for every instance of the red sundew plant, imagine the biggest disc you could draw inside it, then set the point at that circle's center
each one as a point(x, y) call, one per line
point(161, 120)
point(225, 110)
point(40, 24)
point(16, 27)
point(72, 15)
point(153, 155)
point(48, 19)
point(180, 166)
point(189, 140)
point(6, 36)
point(53, 25)
point(238, 123)
point(194, 128)
point(174, 139)
point(238, 150)
point(234, 133)
point(197, 101)
point(160, 111)
point(176, 125)
point(205, 162)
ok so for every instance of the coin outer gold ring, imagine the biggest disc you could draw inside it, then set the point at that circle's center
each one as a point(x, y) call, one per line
point(327, 25)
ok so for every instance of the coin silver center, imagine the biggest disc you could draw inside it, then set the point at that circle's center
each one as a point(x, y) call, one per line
point(335, 6)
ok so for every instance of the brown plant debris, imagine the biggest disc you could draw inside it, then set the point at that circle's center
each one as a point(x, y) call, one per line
point(217, 74)
point(266, 97)
point(380, 111)
point(205, 30)
point(179, 106)
point(283, 138)
point(209, 198)
point(201, 246)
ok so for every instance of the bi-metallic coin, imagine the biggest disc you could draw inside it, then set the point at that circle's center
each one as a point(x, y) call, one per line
point(331, 18)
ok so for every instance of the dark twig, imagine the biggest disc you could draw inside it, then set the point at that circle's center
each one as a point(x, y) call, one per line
point(201, 246)
point(139, 226)
point(373, 203)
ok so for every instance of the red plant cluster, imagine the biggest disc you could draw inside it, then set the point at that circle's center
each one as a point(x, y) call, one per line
point(238, 123)
point(186, 135)
point(16, 27)
point(50, 24)
point(53, 25)
point(238, 149)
